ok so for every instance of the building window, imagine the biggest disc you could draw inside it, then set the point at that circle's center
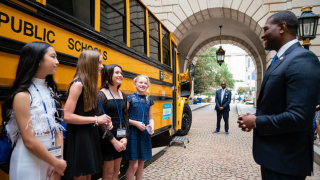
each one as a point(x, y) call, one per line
point(112, 19)
point(154, 40)
point(81, 10)
point(137, 26)
point(165, 47)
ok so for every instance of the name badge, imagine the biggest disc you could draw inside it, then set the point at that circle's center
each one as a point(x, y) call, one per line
point(55, 151)
point(227, 96)
point(121, 132)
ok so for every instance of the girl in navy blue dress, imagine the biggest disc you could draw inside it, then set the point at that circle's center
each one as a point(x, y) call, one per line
point(139, 148)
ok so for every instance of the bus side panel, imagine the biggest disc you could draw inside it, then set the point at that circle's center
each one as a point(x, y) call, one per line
point(66, 42)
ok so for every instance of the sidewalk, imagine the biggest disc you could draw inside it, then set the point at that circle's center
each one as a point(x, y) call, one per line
point(199, 105)
point(210, 156)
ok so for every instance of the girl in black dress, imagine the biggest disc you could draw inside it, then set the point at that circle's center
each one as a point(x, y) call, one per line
point(114, 104)
point(82, 147)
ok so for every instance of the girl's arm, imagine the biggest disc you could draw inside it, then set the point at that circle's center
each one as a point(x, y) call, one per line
point(70, 106)
point(59, 142)
point(21, 108)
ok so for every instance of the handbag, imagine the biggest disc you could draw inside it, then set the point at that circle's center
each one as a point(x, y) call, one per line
point(5, 151)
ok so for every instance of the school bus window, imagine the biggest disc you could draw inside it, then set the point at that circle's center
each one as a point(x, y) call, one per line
point(112, 19)
point(154, 38)
point(137, 26)
point(80, 9)
point(119, 5)
point(165, 47)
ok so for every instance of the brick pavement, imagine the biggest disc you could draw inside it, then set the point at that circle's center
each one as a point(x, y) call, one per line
point(210, 156)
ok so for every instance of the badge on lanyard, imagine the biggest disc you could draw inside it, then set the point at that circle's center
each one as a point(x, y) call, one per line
point(55, 151)
point(121, 132)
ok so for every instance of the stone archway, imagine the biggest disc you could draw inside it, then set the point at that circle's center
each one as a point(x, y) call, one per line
point(202, 47)
point(194, 22)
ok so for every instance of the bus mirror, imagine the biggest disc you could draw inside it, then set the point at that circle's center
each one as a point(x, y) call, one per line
point(191, 70)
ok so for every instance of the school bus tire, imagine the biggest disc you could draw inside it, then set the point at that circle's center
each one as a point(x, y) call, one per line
point(186, 121)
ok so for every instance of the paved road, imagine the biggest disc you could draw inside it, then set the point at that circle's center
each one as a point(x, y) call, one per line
point(210, 156)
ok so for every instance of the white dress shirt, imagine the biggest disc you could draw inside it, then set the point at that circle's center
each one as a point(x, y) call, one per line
point(285, 47)
point(222, 94)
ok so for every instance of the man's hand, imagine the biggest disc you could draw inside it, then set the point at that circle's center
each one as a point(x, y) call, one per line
point(221, 108)
point(247, 122)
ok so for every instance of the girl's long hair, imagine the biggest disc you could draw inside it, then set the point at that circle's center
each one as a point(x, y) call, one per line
point(107, 74)
point(87, 71)
point(148, 80)
point(30, 57)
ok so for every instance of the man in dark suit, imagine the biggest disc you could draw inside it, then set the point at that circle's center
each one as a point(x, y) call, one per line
point(283, 132)
point(223, 99)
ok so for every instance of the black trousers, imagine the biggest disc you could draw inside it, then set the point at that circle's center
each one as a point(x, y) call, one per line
point(225, 115)
point(267, 174)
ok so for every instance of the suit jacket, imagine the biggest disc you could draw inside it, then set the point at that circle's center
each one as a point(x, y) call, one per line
point(225, 102)
point(283, 137)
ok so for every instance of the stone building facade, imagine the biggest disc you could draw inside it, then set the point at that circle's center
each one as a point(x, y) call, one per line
point(195, 24)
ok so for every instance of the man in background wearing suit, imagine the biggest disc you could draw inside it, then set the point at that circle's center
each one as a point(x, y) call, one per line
point(223, 99)
point(283, 132)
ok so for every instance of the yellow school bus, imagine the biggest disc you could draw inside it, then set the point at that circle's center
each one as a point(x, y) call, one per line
point(125, 32)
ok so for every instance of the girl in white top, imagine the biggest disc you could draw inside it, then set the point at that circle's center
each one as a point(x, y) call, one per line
point(31, 117)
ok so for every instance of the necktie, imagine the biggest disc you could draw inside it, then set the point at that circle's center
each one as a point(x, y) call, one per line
point(273, 60)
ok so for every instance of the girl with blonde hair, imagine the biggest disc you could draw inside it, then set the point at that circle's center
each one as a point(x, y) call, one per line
point(82, 146)
point(139, 148)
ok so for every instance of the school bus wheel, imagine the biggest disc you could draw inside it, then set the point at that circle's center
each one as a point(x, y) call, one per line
point(186, 121)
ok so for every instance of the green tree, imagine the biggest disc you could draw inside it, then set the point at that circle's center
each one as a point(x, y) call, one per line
point(208, 72)
point(241, 90)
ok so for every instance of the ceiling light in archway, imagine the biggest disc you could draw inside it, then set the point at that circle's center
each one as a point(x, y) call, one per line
point(220, 52)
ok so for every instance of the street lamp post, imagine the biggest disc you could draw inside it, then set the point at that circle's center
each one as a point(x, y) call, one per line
point(308, 23)
point(220, 52)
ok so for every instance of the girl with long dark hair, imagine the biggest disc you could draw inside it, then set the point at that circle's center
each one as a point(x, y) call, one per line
point(30, 115)
point(82, 146)
point(114, 103)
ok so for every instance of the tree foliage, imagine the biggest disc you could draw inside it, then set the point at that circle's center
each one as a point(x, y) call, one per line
point(208, 73)
point(241, 90)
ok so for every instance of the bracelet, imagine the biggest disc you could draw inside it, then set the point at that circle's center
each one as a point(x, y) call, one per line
point(96, 120)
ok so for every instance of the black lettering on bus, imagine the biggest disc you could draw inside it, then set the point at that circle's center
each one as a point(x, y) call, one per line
point(48, 36)
point(90, 47)
point(36, 32)
point(12, 25)
point(96, 49)
point(28, 27)
point(6, 20)
point(83, 47)
point(77, 42)
point(71, 46)
point(44, 34)
point(104, 55)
